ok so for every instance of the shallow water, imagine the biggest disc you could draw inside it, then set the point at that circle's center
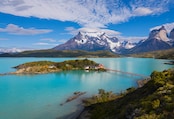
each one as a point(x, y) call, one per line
point(39, 96)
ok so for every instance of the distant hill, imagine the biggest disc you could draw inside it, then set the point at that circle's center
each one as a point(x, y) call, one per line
point(60, 53)
point(159, 54)
point(152, 101)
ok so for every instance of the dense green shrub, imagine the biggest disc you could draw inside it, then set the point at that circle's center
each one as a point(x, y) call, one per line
point(155, 100)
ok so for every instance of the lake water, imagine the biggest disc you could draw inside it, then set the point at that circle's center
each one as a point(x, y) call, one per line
point(40, 96)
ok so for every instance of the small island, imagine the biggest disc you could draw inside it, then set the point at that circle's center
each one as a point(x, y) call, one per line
point(42, 67)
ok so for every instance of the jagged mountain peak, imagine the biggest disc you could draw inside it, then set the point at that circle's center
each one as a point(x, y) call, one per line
point(159, 34)
point(96, 40)
point(91, 41)
point(162, 28)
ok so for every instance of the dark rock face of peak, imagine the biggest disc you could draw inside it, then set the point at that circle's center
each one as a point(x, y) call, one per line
point(160, 34)
point(172, 34)
point(162, 28)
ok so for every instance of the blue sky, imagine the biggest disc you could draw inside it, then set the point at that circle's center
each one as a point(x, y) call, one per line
point(42, 24)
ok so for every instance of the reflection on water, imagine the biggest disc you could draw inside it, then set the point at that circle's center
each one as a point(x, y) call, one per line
point(40, 96)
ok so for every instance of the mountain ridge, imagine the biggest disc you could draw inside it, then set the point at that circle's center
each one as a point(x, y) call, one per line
point(93, 41)
point(158, 39)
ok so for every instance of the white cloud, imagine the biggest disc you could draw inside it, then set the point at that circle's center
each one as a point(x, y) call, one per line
point(74, 31)
point(87, 13)
point(45, 44)
point(62, 41)
point(132, 38)
point(48, 39)
point(13, 49)
point(16, 30)
point(142, 11)
point(168, 27)
point(111, 33)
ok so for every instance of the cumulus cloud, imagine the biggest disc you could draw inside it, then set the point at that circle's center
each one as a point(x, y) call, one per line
point(142, 11)
point(168, 27)
point(45, 44)
point(62, 41)
point(16, 30)
point(13, 49)
point(132, 38)
point(48, 39)
point(74, 31)
point(87, 13)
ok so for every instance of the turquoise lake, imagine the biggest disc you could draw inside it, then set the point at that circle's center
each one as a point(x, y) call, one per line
point(40, 96)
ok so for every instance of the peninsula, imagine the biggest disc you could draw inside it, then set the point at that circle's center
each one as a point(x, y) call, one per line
point(42, 67)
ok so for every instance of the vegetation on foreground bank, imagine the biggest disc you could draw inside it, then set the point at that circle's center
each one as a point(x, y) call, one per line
point(48, 66)
point(152, 101)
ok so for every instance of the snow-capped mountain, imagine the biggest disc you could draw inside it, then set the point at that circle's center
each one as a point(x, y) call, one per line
point(128, 44)
point(157, 40)
point(159, 34)
point(11, 50)
point(93, 41)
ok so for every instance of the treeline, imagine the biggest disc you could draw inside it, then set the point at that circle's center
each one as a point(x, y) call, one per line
point(48, 66)
point(75, 64)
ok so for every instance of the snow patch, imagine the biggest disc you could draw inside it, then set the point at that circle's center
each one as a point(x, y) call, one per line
point(113, 45)
point(168, 27)
point(81, 41)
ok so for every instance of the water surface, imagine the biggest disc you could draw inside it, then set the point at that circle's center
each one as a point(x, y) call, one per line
point(39, 96)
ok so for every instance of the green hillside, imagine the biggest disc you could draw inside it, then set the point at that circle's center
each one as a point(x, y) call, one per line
point(160, 54)
point(39, 67)
point(60, 53)
point(155, 100)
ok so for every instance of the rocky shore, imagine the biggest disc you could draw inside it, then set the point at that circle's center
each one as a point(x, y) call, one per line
point(170, 63)
point(141, 83)
point(75, 96)
point(85, 112)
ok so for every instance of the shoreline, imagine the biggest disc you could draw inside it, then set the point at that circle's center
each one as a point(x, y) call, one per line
point(85, 112)
point(44, 67)
point(73, 115)
point(142, 82)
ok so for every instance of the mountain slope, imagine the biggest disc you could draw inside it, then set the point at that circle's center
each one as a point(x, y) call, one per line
point(160, 54)
point(157, 40)
point(172, 34)
point(150, 45)
point(94, 41)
